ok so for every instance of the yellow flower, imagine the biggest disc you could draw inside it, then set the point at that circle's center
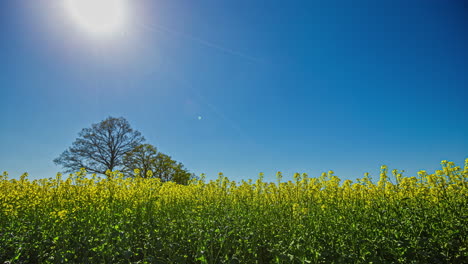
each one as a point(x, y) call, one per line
point(149, 174)
point(62, 214)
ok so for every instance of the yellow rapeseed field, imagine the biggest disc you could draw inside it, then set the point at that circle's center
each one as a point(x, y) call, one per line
point(89, 219)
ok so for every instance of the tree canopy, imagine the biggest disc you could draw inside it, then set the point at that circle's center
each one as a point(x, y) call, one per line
point(113, 145)
point(101, 147)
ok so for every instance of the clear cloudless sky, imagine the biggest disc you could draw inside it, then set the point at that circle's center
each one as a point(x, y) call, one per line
point(243, 87)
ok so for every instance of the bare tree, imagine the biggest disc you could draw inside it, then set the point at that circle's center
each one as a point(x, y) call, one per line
point(142, 157)
point(101, 147)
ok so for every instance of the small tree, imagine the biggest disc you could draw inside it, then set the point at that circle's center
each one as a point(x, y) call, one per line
point(154, 164)
point(142, 157)
point(101, 147)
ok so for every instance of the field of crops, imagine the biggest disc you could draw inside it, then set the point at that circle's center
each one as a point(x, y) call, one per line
point(88, 219)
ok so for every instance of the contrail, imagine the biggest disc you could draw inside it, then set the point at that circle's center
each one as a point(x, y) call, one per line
point(194, 91)
point(159, 28)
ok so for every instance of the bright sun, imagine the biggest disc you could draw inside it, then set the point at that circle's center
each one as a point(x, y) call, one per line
point(99, 17)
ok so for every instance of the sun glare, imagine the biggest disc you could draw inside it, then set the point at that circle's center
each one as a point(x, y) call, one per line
point(98, 17)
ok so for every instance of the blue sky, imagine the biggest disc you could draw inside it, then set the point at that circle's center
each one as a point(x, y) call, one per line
point(291, 86)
